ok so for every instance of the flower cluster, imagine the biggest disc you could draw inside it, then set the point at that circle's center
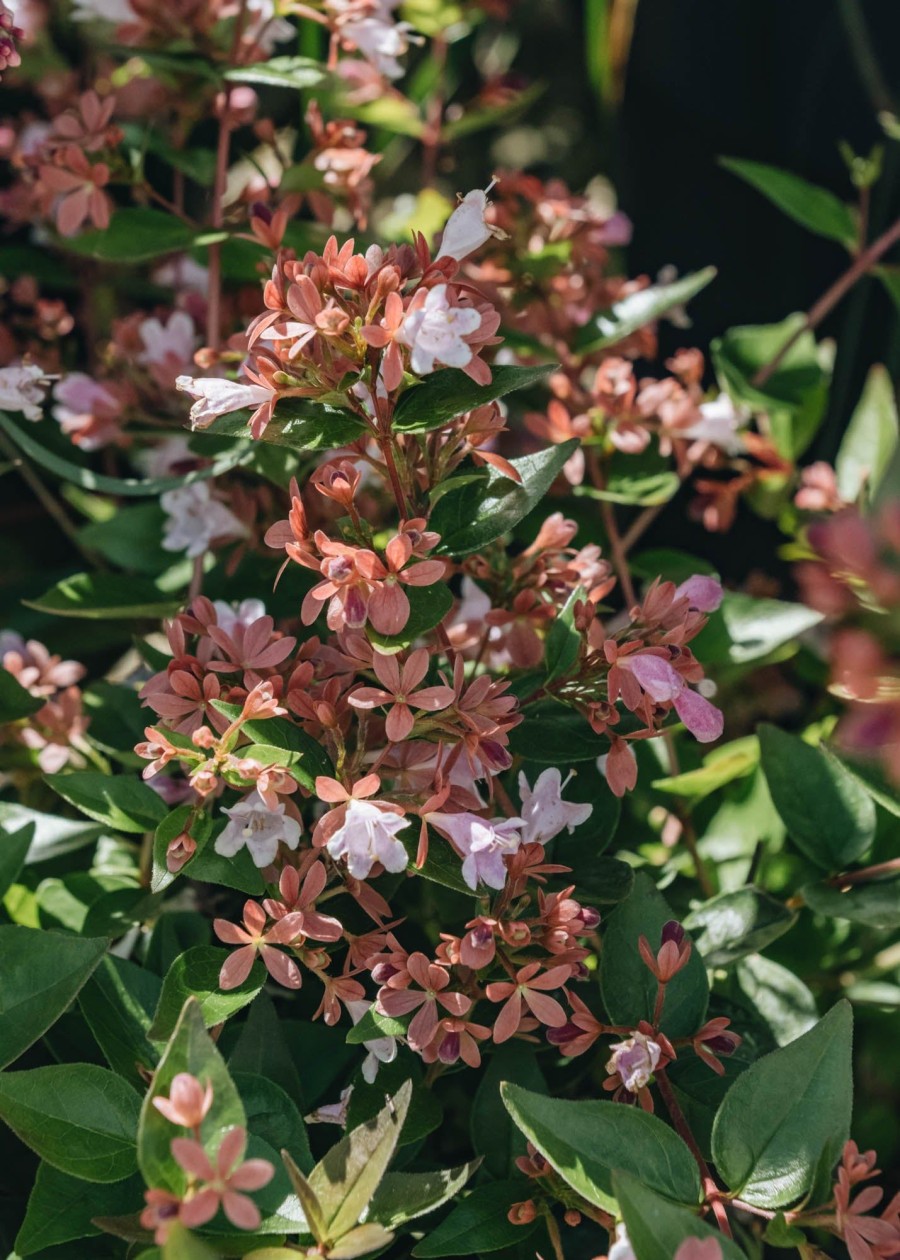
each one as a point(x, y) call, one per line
point(53, 733)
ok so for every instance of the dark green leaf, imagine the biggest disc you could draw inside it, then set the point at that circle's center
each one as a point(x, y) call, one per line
point(745, 629)
point(62, 1208)
point(119, 801)
point(737, 923)
point(645, 479)
point(555, 735)
point(780, 998)
point(105, 596)
point(563, 641)
point(401, 1197)
point(769, 1155)
point(118, 719)
point(134, 234)
point(424, 1114)
point(261, 1048)
point(118, 1003)
point(272, 1116)
point(870, 439)
point(195, 974)
point(14, 846)
point(827, 813)
point(470, 516)
point(586, 1141)
point(478, 1223)
point(446, 395)
point(628, 986)
point(812, 207)
point(494, 1136)
point(281, 733)
point(78, 1117)
point(657, 1228)
point(286, 72)
point(635, 311)
point(190, 1049)
point(15, 701)
point(875, 902)
point(40, 977)
point(298, 423)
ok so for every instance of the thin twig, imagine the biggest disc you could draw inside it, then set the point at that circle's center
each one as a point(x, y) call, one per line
point(710, 1189)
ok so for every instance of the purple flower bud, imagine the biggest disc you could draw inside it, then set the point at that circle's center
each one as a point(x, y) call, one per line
point(672, 931)
point(723, 1044)
point(259, 210)
point(590, 918)
point(562, 1036)
point(448, 1051)
point(383, 972)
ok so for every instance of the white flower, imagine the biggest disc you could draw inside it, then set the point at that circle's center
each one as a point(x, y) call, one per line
point(634, 1061)
point(435, 331)
point(381, 1049)
point(466, 228)
point(261, 829)
point(118, 11)
point(332, 1113)
point(167, 458)
point(368, 835)
point(264, 28)
point(173, 340)
point(217, 397)
point(546, 814)
point(621, 1248)
point(230, 617)
point(376, 35)
point(22, 388)
point(718, 425)
point(195, 518)
point(483, 843)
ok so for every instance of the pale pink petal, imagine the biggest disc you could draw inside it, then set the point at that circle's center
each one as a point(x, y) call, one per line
point(703, 720)
point(252, 1175)
point(240, 1210)
point(282, 968)
point(423, 1026)
point(507, 1022)
point(199, 1209)
point(191, 1156)
point(547, 1009)
point(236, 967)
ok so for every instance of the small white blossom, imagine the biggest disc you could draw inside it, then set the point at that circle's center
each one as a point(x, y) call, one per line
point(216, 396)
point(368, 835)
point(466, 228)
point(163, 342)
point(195, 518)
point(719, 424)
point(546, 814)
point(381, 1049)
point(22, 388)
point(261, 829)
point(264, 28)
point(435, 331)
point(484, 843)
point(118, 11)
point(230, 617)
point(621, 1248)
point(634, 1061)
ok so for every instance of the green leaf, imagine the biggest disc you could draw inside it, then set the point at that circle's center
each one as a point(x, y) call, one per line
point(272, 1116)
point(298, 423)
point(737, 923)
point(812, 207)
point(280, 733)
point(424, 1114)
point(723, 765)
point(777, 996)
point(14, 846)
point(494, 1135)
point(628, 986)
point(62, 1208)
point(133, 235)
point(428, 606)
point(442, 865)
point(645, 479)
point(286, 72)
point(127, 487)
point(53, 836)
point(190, 1049)
point(119, 801)
point(261, 1049)
point(345, 1181)
point(445, 395)
point(829, 816)
point(875, 903)
point(15, 701)
point(105, 596)
point(657, 1228)
point(478, 1223)
point(563, 642)
point(870, 775)
point(168, 830)
point(470, 516)
point(401, 1197)
point(769, 1155)
point(40, 977)
point(118, 719)
point(181, 1244)
point(78, 1117)
point(118, 1003)
point(796, 393)
point(555, 735)
point(870, 438)
point(195, 974)
point(635, 311)
point(586, 1141)
point(374, 1025)
point(745, 629)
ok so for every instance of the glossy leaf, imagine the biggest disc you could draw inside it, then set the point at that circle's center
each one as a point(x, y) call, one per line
point(280, 733)
point(472, 515)
point(769, 1155)
point(105, 596)
point(190, 1049)
point(78, 1117)
point(14, 846)
point(555, 735)
point(478, 1224)
point(723, 765)
point(286, 72)
point(195, 974)
point(53, 836)
point(812, 207)
point(778, 997)
point(829, 816)
point(122, 802)
point(875, 903)
point(737, 923)
point(298, 423)
point(495, 1137)
point(135, 234)
point(563, 641)
point(40, 977)
point(657, 1227)
point(272, 1116)
point(636, 310)
point(745, 629)
point(870, 439)
point(446, 395)
point(628, 986)
point(402, 1197)
point(118, 1003)
point(586, 1141)
point(62, 1208)
point(15, 701)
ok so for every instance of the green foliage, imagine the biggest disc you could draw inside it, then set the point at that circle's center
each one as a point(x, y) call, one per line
point(656, 1227)
point(814, 208)
point(635, 311)
point(870, 439)
point(195, 974)
point(445, 395)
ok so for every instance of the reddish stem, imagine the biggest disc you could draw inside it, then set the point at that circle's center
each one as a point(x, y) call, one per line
point(710, 1189)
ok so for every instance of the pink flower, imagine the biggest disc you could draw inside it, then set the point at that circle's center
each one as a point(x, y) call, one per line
point(400, 684)
point(432, 981)
point(484, 843)
point(529, 990)
point(699, 1249)
point(436, 331)
point(75, 188)
point(545, 813)
point(222, 1184)
point(216, 396)
point(188, 1101)
point(466, 228)
point(634, 1061)
point(253, 940)
point(89, 411)
point(663, 684)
